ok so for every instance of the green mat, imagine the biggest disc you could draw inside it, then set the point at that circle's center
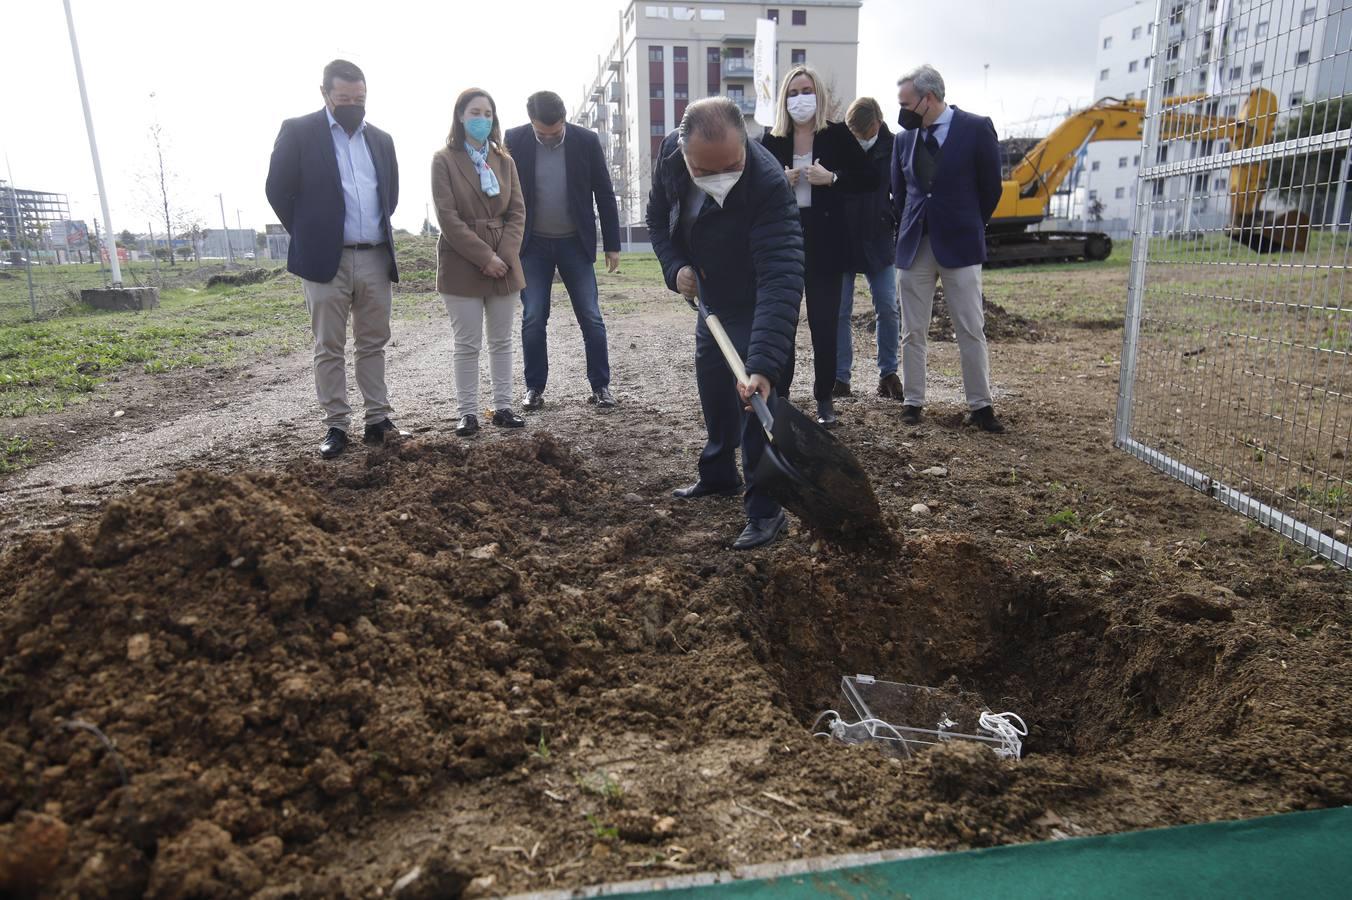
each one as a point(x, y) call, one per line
point(1305, 855)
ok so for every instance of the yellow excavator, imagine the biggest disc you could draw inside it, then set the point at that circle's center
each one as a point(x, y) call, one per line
point(1032, 181)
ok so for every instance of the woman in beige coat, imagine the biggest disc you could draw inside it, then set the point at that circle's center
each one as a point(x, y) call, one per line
point(482, 218)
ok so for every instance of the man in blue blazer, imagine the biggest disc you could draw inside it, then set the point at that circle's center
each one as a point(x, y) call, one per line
point(333, 182)
point(946, 184)
point(563, 172)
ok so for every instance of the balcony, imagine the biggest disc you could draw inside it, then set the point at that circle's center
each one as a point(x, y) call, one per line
point(738, 68)
point(617, 124)
point(616, 92)
point(598, 92)
point(746, 104)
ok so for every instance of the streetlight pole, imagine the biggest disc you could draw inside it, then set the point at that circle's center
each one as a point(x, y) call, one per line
point(93, 147)
point(229, 250)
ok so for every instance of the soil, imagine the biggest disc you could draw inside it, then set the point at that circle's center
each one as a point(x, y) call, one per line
point(516, 663)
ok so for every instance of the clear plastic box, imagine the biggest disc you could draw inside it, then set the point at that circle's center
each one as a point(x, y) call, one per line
point(906, 718)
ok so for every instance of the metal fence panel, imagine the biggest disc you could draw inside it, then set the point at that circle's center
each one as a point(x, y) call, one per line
point(1235, 365)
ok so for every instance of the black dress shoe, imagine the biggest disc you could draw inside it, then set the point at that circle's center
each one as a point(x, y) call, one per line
point(376, 434)
point(841, 389)
point(700, 489)
point(505, 418)
point(889, 387)
point(826, 414)
point(984, 418)
point(759, 532)
point(468, 425)
point(335, 442)
point(534, 399)
point(602, 398)
point(910, 415)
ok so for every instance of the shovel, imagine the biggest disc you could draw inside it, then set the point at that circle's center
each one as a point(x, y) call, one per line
point(804, 467)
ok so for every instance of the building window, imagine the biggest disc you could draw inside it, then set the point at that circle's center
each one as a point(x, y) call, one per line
point(1136, 160)
point(1297, 98)
point(1176, 14)
point(654, 54)
point(1172, 52)
point(1108, 42)
point(1094, 166)
point(1256, 68)
point(713, 55)
point(1145, 63)
point(657, 129)
point(1302, 57)
point(1241, 35)
point(1201, 78)
point(1136, 32)
point(1236, 73)
point(712, 15)
point(1218, 184)
point(1232, 109)
point(683, 13)
point(772, 15)
point(798, 57)
point(1157, 187)
point(1121, 162)
point(1103, 75)
point(1131, 66)
point(1307, 15)
point(1150, 28)
point(656, 12)
point(1170, 87)
point(680, 54)
point(1260, 30)
point(681, 91)
point(1162, 154)
point(1120, 193)
point(1131, 95)
point(655, 92)
point(1093, 195)
point(800, 17)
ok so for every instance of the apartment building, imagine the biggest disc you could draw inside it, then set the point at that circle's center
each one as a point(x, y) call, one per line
point(1298, 49)
point(667, 55)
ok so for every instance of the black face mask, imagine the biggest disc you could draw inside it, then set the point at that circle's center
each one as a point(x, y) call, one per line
point(350, 117)
point(910, 119)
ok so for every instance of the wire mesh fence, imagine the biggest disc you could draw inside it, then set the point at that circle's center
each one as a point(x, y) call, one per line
point(1235, 369)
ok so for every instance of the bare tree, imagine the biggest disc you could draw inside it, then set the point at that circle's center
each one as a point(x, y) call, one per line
point(157, 140)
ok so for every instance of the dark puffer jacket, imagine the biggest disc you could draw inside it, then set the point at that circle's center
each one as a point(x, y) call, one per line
point(749, 252)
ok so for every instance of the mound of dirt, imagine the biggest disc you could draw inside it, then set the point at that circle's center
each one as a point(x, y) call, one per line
point(484, 665)
point(1001, 324)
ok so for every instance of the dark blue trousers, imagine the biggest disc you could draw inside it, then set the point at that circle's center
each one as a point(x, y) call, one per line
point(540, 258)
point(726, 421)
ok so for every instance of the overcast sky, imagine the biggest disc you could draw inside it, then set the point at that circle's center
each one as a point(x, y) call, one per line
point(224, 75)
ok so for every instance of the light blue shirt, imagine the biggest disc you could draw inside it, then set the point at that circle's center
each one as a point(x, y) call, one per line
point(361, 190)
point(940, 126)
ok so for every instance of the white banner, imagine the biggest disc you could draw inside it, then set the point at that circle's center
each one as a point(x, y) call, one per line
point(764, 77)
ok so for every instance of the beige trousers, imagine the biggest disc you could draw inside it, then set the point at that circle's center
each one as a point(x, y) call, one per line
point(962, 293)
point(361, 291)
point(467, 331)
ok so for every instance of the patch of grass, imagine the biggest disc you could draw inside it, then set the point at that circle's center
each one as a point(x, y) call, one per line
point(601, 831)
point(13, 453)
point(46, 365)
point(1066, 518)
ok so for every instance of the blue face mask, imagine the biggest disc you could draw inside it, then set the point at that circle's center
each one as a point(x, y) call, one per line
point(479, 128)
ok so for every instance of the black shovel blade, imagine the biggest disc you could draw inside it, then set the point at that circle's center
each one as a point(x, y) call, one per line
point(819, 479)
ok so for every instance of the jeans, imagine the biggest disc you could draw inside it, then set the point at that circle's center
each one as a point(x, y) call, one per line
point(539, 259)
point(882, 284)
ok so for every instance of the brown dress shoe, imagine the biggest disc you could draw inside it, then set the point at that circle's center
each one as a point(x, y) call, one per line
point(889, 386)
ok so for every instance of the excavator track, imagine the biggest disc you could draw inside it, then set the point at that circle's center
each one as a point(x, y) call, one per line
point(1025, 248)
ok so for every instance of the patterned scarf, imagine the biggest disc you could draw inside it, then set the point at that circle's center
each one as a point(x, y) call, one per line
point(487, 180)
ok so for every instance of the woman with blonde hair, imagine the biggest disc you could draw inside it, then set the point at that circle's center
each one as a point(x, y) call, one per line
point(483, 218)
point(822, 162)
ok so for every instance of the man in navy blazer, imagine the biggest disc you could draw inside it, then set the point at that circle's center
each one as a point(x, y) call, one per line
point(563, 172)
point(946, 184)
point(333, 182)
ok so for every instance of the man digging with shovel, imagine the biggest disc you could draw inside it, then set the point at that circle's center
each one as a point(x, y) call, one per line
point(724, 225)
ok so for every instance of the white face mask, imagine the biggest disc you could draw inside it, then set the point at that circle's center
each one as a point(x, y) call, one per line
point(868, 144)
point(803, 107)
point(717, 186)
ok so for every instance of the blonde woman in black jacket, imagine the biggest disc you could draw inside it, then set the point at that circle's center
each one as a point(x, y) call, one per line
point(822, 161)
